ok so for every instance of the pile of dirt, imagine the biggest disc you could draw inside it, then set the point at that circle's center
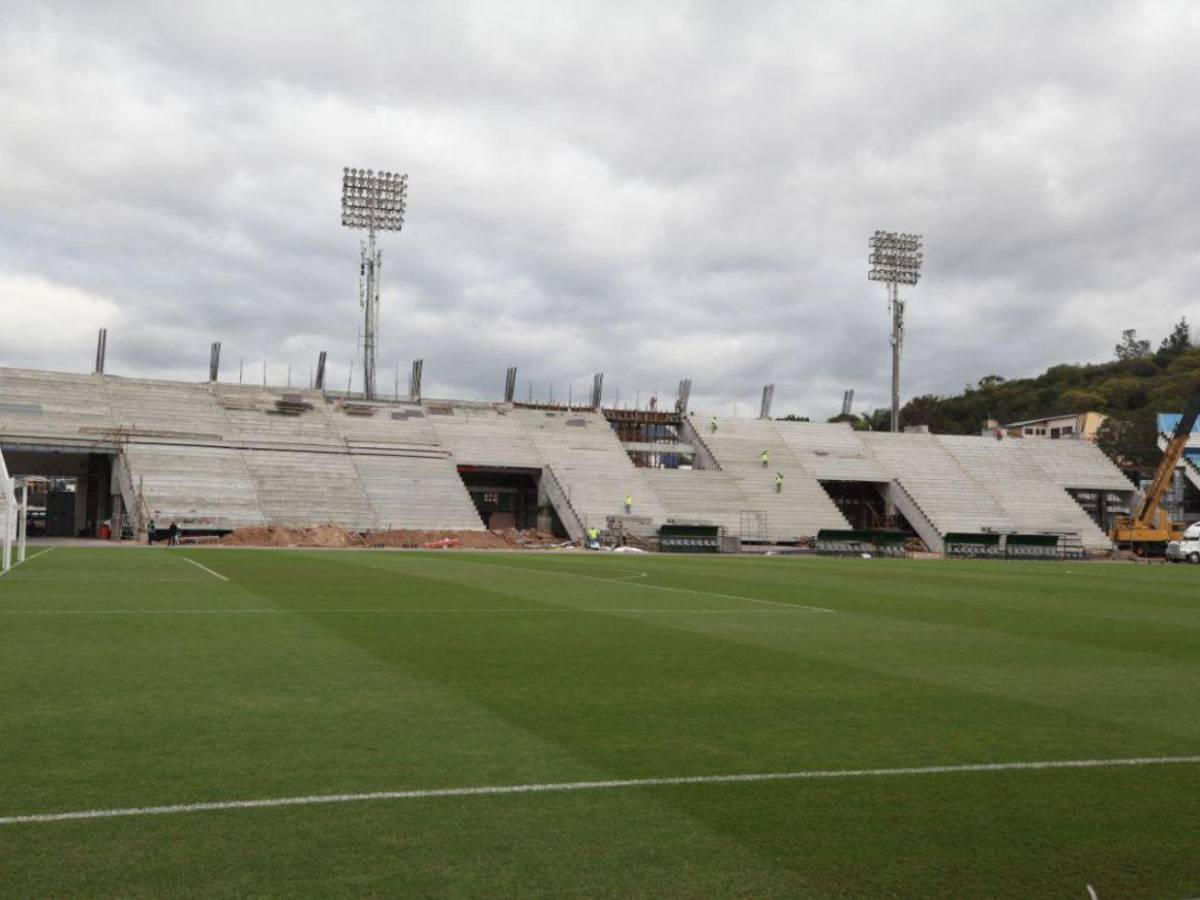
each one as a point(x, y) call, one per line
point(472, 540)
point(330, 535)
point(327, 535)
point(530, 538)
point(506, 539)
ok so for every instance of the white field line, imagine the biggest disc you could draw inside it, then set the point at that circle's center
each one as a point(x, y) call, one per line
point(562, 787)
point(78, 579)
point(385, 611)
point(654, 587)
point(205, 568)
point(28, 559)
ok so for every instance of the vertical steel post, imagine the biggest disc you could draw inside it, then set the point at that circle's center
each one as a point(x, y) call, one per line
point(21, 523)
point(897, 337)
point(371, 263)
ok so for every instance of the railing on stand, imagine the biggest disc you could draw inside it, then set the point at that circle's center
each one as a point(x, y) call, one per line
point(561, 501)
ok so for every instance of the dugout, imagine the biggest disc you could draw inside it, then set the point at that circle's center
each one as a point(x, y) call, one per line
point(1040, 546)
point(679, 538)
point(970, 545)
point(856, 542)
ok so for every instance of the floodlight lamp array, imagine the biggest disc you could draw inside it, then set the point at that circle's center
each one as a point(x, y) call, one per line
point(895, 257)
point(374, 200)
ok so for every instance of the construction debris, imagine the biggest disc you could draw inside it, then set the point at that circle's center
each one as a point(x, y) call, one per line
point(330, 535)
point(327, 535)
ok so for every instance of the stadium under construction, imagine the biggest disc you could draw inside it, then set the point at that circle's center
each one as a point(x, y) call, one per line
point(213, 457)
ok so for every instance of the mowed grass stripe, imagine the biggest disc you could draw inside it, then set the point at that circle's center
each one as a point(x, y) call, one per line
point(613, 784)
point(921, 664)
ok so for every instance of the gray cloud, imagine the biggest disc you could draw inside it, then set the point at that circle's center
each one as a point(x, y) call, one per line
point(655, 191)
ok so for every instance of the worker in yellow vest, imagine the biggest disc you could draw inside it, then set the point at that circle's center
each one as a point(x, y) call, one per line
point(779, 482)
point(628, 504)
point(765, 458)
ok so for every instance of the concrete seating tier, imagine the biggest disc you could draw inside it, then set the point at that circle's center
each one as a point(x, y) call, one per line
point(52, 404)
point(832, 452)
point(198, 487)
point(416, 492)
point(1032, 501)
point(393, 423)
point(485, 436)
point(300, 488)
point(700, 494)
point(590, 465)
point(164, 407)
point(801, 509)
point(944, 493)
point(1073, 464)
point(252, 416)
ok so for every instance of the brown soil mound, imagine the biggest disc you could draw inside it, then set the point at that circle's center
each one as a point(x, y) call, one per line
point(507, 539)
point(327, 535)
point(330, 535)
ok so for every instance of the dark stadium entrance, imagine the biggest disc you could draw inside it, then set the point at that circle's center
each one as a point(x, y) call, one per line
point(859, 502)
point(863, 505)
point(505, 497)
point(69, 490)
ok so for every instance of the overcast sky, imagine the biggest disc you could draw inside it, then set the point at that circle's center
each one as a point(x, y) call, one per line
point(651, 190)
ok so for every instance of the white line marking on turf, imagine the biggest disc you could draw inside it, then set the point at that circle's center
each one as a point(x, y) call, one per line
point(28, 559)
point(422, 610)
point(205, 568)
point(656, 587)
point(561, 787)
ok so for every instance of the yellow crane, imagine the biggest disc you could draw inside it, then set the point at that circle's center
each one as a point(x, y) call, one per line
point(1149, 529)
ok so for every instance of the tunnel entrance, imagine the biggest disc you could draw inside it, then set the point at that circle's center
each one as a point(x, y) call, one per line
point(70, 490)
point(505, 497)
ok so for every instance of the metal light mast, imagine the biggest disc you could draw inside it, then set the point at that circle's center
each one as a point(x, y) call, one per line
point(374, 201)
point(895, 260)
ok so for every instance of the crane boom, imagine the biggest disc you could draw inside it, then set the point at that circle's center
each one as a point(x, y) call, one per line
point(1147, 512)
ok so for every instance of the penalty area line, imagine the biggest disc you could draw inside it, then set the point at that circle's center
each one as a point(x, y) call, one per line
point(205, 568)
point(629, 583)
point(27, 559)
point(569, 786)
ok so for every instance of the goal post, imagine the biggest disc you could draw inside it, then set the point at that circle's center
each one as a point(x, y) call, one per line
point(8, 517)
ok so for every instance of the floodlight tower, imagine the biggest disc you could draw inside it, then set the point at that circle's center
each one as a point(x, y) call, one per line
point(374, 201)
point(895, 260)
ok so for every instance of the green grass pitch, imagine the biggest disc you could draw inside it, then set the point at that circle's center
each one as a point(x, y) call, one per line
point(135, 678)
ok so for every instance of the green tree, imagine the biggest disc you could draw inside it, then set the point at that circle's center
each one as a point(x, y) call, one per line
point(1131, 441)
point(927, 410)
point(1177, 342)
point(1130, 347)
point(858, 423)
point(792, 417)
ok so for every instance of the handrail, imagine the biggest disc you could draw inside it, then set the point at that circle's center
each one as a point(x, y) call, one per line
point(698, 439)
point(565, 501)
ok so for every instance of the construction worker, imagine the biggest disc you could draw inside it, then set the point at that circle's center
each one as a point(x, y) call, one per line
point(150, 531)
point(712, 425)
point(779, 482)
point(593, 537)
point(628, 504)
point(765, 457)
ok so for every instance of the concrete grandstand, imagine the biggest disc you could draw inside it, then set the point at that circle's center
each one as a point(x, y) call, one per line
point(216, 456)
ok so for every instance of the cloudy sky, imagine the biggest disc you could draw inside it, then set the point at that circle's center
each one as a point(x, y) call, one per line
point(651, 190)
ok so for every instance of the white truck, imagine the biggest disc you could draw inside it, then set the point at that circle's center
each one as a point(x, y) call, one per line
point(1187, 547)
